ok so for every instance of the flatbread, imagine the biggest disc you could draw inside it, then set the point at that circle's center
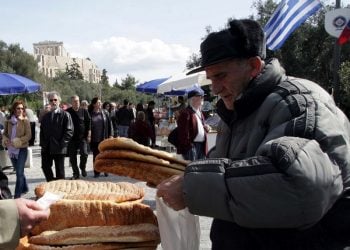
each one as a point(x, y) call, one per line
point(150, 245)
point(129, 144)
point(98, 234)
point(78, 213)
point(150, 173)
point(88, 190)
point(131, 155)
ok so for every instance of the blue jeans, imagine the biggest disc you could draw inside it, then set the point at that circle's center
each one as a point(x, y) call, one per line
point(18, 164)
point(123, 130)
point(196, 152)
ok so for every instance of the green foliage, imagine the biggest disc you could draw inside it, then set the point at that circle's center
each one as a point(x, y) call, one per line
point(193, 61)
point(13, 59)
point(128, 83)
point(73, 71)
point(104, 77)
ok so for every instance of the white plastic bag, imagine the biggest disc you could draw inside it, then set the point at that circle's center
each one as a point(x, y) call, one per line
point(179, 230)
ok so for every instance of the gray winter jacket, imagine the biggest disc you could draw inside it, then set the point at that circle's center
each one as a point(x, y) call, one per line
point(282, 157)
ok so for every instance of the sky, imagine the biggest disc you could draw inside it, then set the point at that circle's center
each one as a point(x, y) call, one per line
point(147, 39)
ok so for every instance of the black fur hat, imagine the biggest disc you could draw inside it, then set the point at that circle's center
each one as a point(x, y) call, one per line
point(243, 39)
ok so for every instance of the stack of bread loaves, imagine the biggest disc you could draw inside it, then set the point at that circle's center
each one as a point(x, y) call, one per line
point(94, 215)
point(125, 157)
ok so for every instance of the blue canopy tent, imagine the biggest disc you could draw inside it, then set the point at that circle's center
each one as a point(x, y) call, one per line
point(151, 86)
point(181, 92)
point(185, 91)
point(11, 84)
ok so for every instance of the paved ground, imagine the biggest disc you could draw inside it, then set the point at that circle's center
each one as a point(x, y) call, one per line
point(35, 176)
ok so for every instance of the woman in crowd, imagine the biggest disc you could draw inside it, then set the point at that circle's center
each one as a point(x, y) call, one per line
point(17, 134)
point(101, 127)
point(107, 106)
point(140, 131)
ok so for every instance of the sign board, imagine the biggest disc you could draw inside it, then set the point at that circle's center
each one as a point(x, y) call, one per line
point(336, 20)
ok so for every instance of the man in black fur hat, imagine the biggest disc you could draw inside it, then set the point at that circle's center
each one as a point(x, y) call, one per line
point(281, 174)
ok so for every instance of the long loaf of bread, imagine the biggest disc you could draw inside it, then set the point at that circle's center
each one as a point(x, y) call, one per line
point(98, 234)
point(129, 144)
point(75, 213)
point(150, 245)
point(148, 172)
point(88, 190)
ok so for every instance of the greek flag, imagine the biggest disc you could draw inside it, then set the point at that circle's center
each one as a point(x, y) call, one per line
point(289, 15)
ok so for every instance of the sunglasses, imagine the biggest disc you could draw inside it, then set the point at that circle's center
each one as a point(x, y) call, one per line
point(19, 108)
point(51, 100)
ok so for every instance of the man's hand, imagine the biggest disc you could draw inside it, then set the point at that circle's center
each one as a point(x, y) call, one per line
point(30, 213)
point(207, 128)
point(171, 190)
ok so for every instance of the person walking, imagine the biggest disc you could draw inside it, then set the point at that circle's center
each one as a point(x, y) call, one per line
point(16, 136)
point(113, 115)
point(124, 117)
point(140, 131)
point(151, 121)
point(280, 173)
point(32, 120)
point(192, 140)
point(56, 130)
point(81, 137)
point(101, 128)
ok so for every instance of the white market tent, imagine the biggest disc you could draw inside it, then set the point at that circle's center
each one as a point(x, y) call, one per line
point(183, 81)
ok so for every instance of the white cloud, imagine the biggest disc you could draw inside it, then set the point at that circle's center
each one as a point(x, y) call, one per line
point(145, 60)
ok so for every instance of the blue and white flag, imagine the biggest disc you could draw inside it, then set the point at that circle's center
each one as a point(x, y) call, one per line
point(289, 15)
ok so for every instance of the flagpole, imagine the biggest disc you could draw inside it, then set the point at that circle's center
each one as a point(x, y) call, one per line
point(336, 65)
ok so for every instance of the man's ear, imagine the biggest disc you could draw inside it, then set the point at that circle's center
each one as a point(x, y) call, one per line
point(256, 65)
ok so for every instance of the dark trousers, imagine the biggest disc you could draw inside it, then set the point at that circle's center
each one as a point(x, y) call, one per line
point(47, 160)
point(32, 128)
point(331, 233)
point(73, 148)
point(95, 152)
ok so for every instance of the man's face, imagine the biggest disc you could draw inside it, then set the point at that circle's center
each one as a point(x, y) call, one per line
point(54, 101)
point(75, 103)
point(229, 79)
point(197, 101)
point(113, 105)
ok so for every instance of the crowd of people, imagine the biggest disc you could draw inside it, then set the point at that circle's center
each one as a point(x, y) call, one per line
point(277, 178)
point(68, 130)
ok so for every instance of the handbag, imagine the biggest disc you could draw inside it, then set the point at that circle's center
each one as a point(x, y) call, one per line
point(5, 192)
point(172, 137)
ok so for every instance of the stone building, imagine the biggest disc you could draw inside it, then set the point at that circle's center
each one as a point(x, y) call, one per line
point(53, 58)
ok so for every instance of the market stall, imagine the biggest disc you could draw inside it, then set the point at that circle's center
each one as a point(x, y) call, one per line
point(13, 84)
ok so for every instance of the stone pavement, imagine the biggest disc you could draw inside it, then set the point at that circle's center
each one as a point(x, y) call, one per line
point(35, 176)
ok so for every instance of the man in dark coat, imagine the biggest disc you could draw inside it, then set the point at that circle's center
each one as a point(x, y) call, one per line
point(56, 131)
point(124, 117)
point(81, 137)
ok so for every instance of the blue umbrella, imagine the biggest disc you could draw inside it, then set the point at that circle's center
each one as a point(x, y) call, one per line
point(150, 86)
point(15, 84)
